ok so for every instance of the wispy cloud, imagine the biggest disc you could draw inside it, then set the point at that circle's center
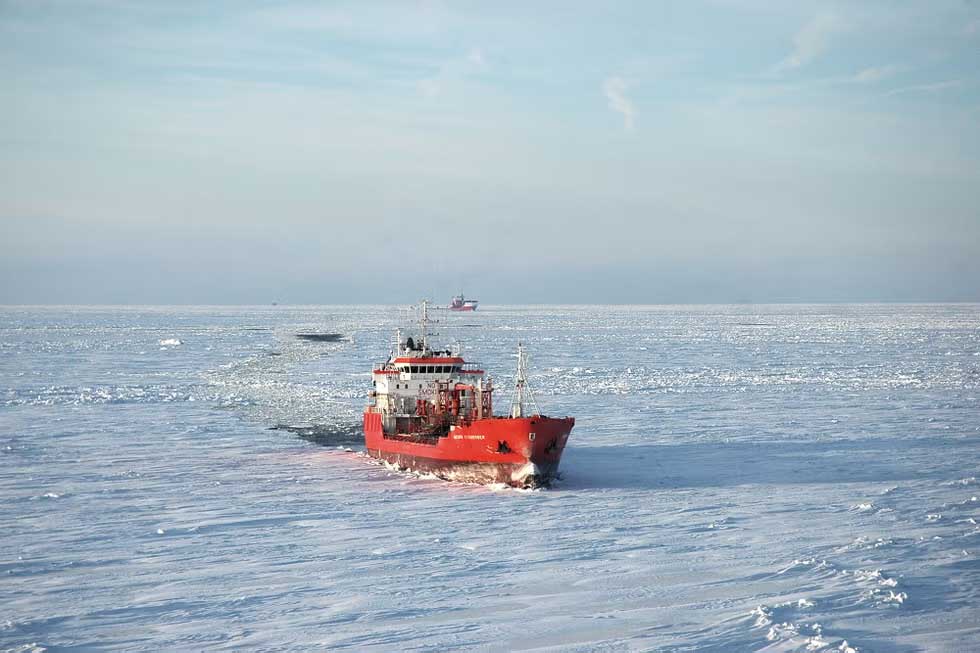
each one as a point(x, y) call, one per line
point(874, 74)
point(358, 22)
point(927, 88)
point(811, 41)
point(305, 18)
point(614, 88)
point(453, 70)
point(475, 57)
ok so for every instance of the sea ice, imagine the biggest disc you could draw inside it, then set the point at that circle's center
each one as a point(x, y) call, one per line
point(776, 436)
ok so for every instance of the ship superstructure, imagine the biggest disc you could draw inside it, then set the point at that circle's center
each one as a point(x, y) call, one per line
point(432, 412)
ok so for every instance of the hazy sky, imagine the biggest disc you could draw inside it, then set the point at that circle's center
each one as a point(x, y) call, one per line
point(695, 151)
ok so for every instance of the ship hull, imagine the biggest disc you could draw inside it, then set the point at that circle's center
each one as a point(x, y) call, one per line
point(521, 452)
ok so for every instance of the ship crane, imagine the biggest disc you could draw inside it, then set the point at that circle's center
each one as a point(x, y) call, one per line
point(424, 324)
point(523, 404)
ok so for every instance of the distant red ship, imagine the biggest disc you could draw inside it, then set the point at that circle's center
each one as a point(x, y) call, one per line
point(431, 412)
point(460, 303)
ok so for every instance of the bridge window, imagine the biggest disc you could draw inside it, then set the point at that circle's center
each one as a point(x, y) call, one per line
point(414, 369)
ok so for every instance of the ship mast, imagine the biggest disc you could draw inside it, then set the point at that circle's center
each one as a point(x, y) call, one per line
point(523, 404)
point(424, 324)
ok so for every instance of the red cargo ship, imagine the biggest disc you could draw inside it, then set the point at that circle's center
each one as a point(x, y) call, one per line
point(431, 412)
point(460, 303)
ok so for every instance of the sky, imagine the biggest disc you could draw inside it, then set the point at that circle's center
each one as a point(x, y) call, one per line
point(705, 151)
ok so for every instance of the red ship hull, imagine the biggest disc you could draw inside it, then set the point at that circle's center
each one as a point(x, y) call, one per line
point(462, 308)
point(522, 452)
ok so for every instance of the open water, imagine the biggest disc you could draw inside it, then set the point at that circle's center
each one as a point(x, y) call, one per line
point(740, 478)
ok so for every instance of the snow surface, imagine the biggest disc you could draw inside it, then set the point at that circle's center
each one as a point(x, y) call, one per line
point(740, 478)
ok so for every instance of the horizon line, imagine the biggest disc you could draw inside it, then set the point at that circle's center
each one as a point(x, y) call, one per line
point(440, 307)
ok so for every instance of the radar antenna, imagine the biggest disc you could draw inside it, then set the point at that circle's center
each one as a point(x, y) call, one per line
point(523, 404)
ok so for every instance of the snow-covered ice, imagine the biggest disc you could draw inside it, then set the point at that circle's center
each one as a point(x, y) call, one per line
point(740, 478)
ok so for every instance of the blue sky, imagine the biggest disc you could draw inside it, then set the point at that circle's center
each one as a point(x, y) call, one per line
point(731, 150)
